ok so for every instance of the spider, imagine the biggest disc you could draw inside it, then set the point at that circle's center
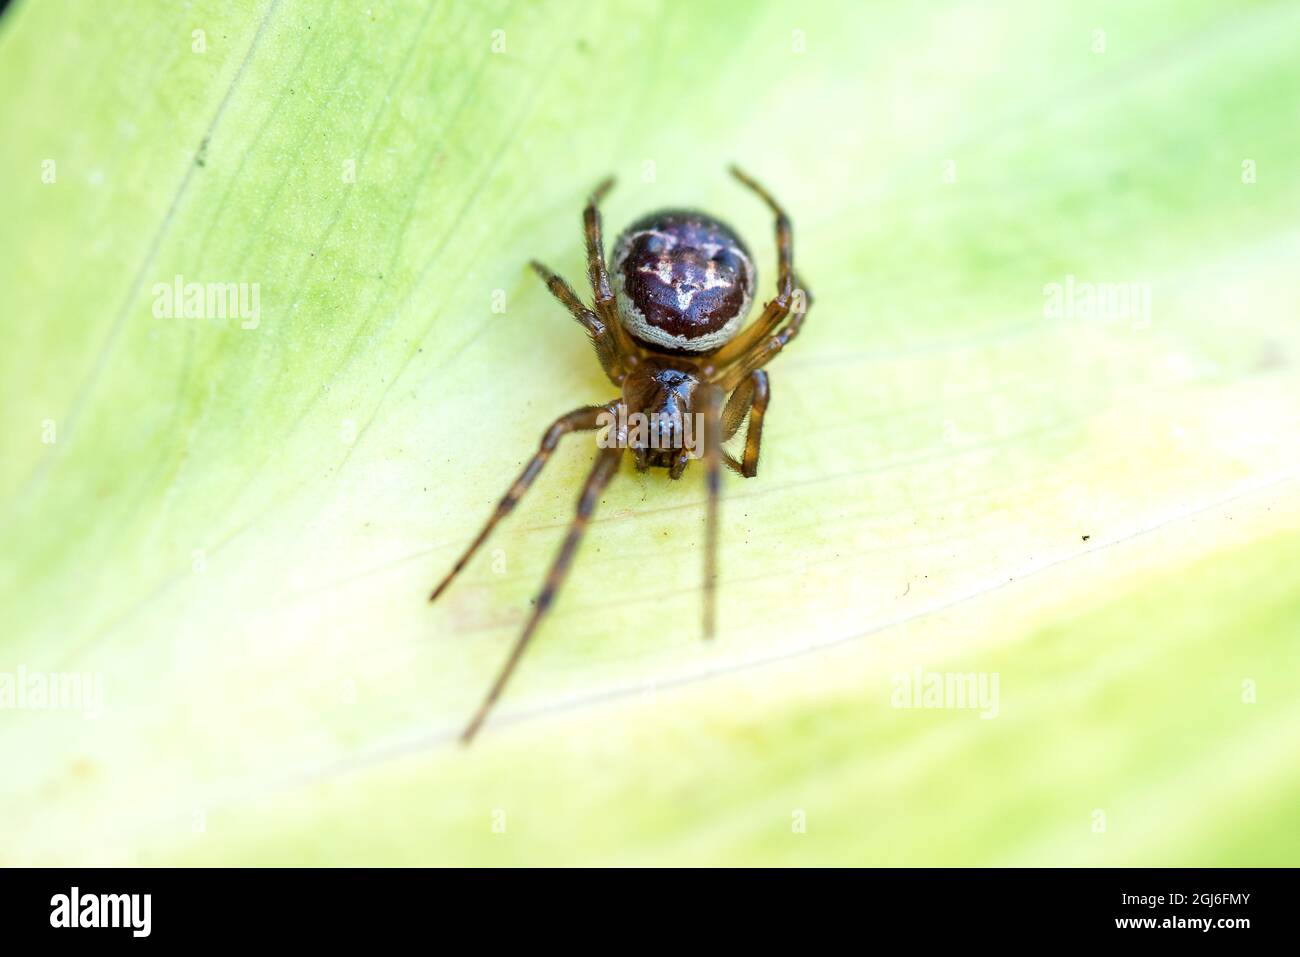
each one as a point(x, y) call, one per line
point(666, 328)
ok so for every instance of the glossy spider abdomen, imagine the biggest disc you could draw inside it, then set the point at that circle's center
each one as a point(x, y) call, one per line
point(684, 281)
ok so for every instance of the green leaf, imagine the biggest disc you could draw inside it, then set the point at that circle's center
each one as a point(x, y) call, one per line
point(233, 522)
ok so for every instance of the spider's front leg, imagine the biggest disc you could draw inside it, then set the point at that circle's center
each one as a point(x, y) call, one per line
point(601, 472)
point(585, 419)
point(713, 465)
point(751, 396)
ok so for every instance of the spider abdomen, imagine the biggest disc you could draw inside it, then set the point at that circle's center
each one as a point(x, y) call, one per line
point(684, 281)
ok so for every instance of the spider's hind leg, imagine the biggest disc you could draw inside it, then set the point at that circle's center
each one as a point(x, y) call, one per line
point(598, 274)
point(767, 350)
point(778, 308)
point(602, 339)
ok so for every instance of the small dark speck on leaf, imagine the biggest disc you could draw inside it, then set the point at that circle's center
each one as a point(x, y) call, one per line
point(1271, 356)
point(1086, 537)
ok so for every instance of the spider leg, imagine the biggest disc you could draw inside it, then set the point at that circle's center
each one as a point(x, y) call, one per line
point(713, 464)
point(750, 396)
point(767, 350)
point(606, 307)
point(776, 310)
point(737, 405)
point(584, 419)
point(601, 338)
point(601, 472)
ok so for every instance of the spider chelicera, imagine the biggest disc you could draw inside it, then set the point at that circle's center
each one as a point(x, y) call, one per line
point(667, 332)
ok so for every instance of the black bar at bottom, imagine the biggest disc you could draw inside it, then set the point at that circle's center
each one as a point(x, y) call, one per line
point(338, 905)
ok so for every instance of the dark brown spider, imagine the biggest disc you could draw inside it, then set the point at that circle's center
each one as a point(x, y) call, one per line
point(668, 333)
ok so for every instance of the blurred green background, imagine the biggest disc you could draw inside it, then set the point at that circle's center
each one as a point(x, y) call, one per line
point(237, 527)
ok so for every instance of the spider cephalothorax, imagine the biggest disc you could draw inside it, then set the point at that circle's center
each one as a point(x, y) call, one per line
point(666, 399)
point(668, 333)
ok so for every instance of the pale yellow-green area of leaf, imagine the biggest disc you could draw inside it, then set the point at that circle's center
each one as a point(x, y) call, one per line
point(237, 527)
